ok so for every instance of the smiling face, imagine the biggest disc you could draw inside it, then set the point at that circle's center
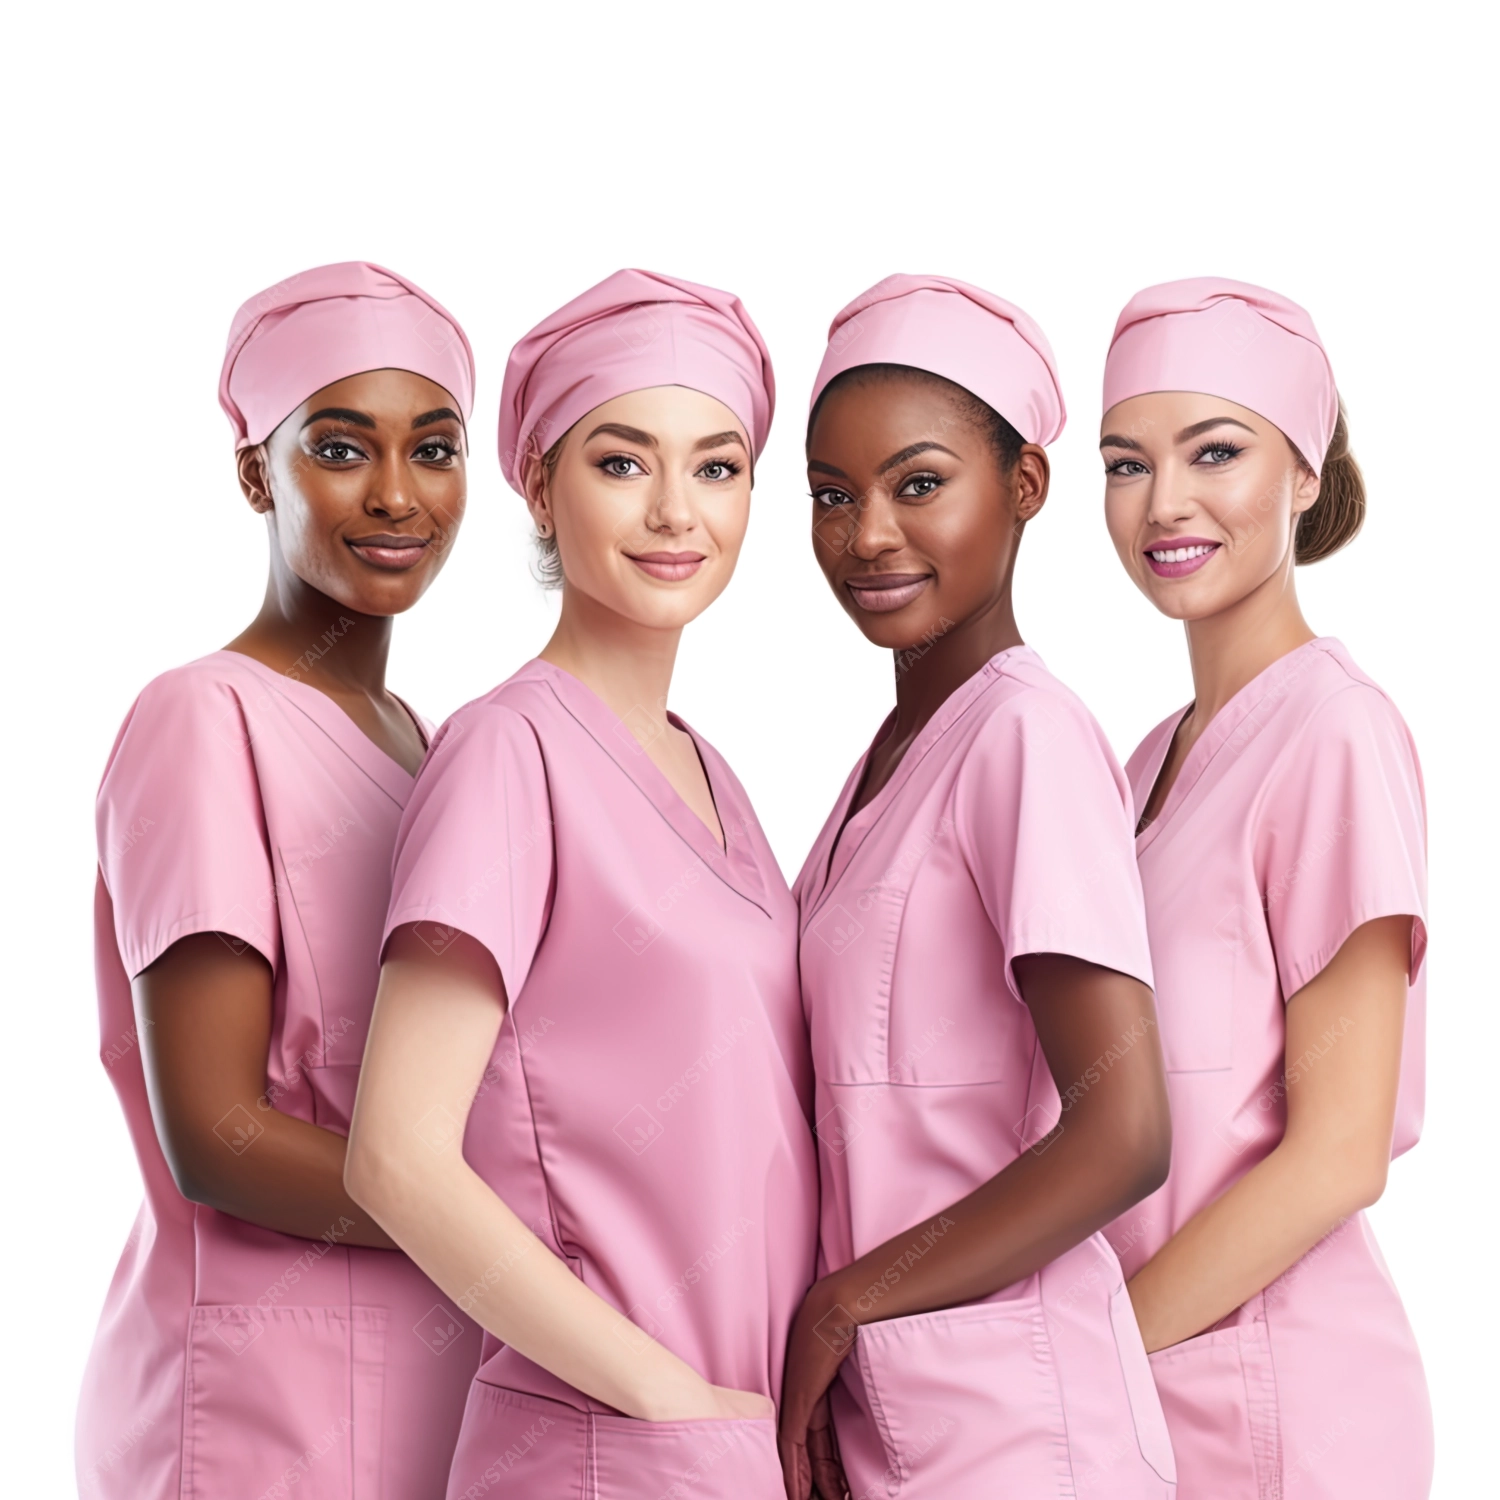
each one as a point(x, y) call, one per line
point(1201, 497)
point(364, 488)
point(915, 520)
point(649, 498)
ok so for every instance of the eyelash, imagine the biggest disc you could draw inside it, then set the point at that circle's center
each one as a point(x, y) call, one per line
point(730, 464)
point(448, 449)
point(935, 480)
point(1229, 450)
point(1219, 446)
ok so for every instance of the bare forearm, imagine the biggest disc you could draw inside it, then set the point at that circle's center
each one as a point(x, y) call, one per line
point(279, 1172)
point(1042, 1204)
point(476, 1249)
point(1236, 1247)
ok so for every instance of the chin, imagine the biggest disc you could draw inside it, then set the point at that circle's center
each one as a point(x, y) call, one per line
point(901, 630)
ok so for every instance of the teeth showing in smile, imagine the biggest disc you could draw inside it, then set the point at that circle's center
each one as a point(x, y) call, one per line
point(1180, 554)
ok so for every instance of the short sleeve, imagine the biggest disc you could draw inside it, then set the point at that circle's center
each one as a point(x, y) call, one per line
point(1043, 815)
point(474, 853)
point(181, 830)
point(1341, 839)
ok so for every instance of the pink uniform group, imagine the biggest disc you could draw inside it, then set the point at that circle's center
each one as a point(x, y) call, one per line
point(709, 1089)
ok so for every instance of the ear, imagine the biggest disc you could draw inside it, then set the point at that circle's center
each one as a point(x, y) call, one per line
point(534, 477)
point(1031, 478)
point(1306, 487)
point(255, 477)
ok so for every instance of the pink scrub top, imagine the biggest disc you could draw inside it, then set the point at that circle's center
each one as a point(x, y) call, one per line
point(1004, 830)
point(1297, 816)
point(646, 1108)
point(232, 1360)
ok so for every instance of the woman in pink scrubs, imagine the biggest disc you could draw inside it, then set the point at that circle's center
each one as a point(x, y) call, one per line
point(974, 962)
point(1281, 832)
point(262, 1335)
point(584, 1104)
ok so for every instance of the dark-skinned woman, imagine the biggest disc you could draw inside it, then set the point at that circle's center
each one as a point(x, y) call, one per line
point(262, 1336)
point(974, 962)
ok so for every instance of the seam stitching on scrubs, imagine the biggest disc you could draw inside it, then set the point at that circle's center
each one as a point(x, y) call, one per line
point(898, 778)
point(656, 807)
point(276, 687)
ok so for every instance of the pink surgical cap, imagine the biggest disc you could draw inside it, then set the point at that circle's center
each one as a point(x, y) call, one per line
point(636, 329)
point(1228, 339)
point(966, 335)
point(327, 324)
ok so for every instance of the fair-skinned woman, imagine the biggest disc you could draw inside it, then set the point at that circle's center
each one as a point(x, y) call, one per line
point(262, 1329)
point(1281, 834)
point(584, 1105)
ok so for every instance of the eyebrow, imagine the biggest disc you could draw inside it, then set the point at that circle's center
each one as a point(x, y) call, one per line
point(342, 414)
point(717, 441)
point(1114, 440)
point(437, 414)
point(1198, 428)
point(630, 434)
point(896, 459)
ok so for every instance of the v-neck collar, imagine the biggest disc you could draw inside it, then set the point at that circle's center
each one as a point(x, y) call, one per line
point(326, 716)
point(735, 864)
point(1220, 730)
point(846, 832)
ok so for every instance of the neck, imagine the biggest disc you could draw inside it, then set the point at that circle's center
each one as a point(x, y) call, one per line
point(928, 671)
point(627, 664)
point(305, 634)
point(1231, 648)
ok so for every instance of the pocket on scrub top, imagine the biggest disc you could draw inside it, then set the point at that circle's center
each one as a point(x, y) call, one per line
point(1218, 1395)
point(966, 1401)
point(283, 1401)
point(731, 1459)
point(1140, 1387)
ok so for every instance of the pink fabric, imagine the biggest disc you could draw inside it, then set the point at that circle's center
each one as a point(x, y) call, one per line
point(1296, 817)
point(645, 1111)
point(1230, 339)
point(635, 330)
point(327, 324)
point(1003, 831)
point(967, 335)
point(230, 1359)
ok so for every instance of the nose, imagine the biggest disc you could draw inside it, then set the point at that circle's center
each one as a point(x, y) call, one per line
point(391, 492)
point(667, 510)
point(875, 528)
point(1170, 499)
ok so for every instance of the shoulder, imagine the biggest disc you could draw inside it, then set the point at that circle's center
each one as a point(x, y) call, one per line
point(199, 706)
point(1335, 703)
point(1027, 706)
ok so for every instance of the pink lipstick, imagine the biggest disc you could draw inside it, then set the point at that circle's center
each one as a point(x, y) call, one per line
point(1178, 556)
point(670, 567)
point(392, 554)
point(880, 593)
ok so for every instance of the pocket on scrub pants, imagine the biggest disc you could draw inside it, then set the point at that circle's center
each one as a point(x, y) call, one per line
point(1218, 1394)
point(944, 1403)
point(283, 1401)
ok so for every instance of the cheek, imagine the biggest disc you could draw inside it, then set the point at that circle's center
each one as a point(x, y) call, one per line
point(726, 518)
point(1124, 517)
point(1254, 511)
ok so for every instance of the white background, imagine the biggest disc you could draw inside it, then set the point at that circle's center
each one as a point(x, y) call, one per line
point(162, 166)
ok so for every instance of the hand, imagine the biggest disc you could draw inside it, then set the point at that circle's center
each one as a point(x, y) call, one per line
point(828, 1481)
point(698, 1401)
point(822, 1333)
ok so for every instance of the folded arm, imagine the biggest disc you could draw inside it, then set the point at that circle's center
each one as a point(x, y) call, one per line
point(1343, 1064)
point(205, 1025)
point(436, 1020)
